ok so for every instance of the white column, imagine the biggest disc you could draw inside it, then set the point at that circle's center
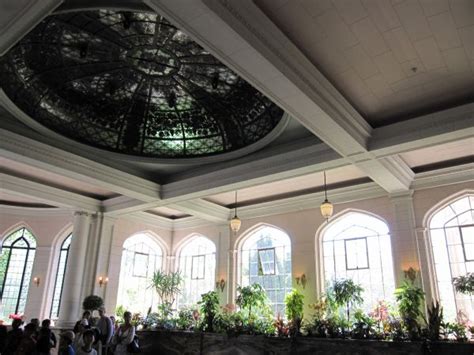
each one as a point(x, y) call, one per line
point(425, 255)
point(171, 264)
point(71, 302)
point(232, 275)
point(403, 230)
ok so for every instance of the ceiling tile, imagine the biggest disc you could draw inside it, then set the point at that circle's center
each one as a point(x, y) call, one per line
point(350, 10)
point(389, 67)
point(463, 12)
point(434, 7)
point(429, 53)
point(412, 67)
point(378, 85)
point(467, 37)
point(444, 31)
point(413, 19)
point(400, 44)
point(338, 32)
point(361, 61)
point(315, 8)
point(351, 84)
point(369, 37)
point(382, 13)
point(456, 60)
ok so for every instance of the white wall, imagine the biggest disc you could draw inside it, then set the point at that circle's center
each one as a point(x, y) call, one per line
point(303, 227)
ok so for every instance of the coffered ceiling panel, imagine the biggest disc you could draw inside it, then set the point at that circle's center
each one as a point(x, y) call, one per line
point(391, 59)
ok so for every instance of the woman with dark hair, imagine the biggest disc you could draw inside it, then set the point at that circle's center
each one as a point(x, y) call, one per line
point(46, 338)
point(124, 336)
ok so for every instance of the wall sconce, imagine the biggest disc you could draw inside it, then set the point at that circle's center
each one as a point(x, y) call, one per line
point(220, 285)
point(103, 281)
point(36, 281)
point(301, 280)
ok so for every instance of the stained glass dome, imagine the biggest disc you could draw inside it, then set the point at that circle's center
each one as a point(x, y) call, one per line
point(131, 82)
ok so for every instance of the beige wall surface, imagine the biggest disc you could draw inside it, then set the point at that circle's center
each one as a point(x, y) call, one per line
point(405, 216)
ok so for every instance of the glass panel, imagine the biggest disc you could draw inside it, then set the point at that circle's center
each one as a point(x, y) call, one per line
point(141, 257)
point(197, 268)
point(59, 282)
point(467, 233)
point(16, 264)
point(356, 253)
point(266, 258)
point(357, 246)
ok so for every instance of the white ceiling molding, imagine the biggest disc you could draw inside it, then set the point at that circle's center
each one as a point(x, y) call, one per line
point(36, 211)
point(203, 209)
point(424, 131)
point(447, 176)
point(51, 195)
point(28, 151)
point(17, 18)
point(265, 57)
point(151, 219)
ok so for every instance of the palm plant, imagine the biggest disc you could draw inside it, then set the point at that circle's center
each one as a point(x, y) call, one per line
point(435, 320)
point(167, 286)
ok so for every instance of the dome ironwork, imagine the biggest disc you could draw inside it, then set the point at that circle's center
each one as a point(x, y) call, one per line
point(131, 82)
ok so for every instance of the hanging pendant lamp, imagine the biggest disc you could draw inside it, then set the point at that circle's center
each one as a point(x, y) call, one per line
point(327, 207)
point(235, 222)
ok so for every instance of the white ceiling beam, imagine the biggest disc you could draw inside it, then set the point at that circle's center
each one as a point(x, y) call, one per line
point(17, 18)
point(203, 209)
point(244, 38)
point(50, 195)
point(28, 151)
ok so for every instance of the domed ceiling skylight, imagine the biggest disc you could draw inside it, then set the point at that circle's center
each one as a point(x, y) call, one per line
point(135, 84)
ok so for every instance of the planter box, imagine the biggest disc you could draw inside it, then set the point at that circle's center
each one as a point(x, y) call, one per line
point(191, 343)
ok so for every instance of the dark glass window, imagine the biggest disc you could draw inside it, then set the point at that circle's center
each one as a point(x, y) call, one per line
point(59, 282)
point(16, 265)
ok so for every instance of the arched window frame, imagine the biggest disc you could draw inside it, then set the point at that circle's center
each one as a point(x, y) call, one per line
point(158, 245)
point(10, 243)
point(277, 307)
point(59, 279)
point(197, 282)
point(389, 283)
point(430, 218)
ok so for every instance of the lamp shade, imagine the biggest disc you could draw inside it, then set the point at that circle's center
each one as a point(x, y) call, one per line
point(235, 224)
point(327, 209)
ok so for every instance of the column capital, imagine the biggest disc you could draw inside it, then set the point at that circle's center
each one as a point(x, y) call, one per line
point(402, 195)
point(421, 230)
point(81, 213)
point(170, 257)
point(233, 251)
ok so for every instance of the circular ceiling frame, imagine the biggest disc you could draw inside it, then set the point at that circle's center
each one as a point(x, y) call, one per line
point(151, 63)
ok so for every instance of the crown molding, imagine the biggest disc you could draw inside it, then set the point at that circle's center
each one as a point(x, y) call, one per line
point(446, 176)
point(36, 211)
point(148, 218)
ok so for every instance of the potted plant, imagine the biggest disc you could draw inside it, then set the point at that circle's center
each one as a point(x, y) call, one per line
point(209, 309)
point(435, 321)
point(252, 297)
point(410, 298)
point(294, 310)
point(464, 284)
point(167, 286)
point(345, 292)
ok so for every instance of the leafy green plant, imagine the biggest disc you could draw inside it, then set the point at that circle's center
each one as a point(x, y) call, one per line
point(294, 310)
point(166, 285)
point(92, 303)
point(458, 330)
point(282, 329)
point(185, 319)
point(209, 304)
point(253, 297)
point(464, 284)
point(410, 298)
point(435, 320)
point(363, 327)
point(345, 293)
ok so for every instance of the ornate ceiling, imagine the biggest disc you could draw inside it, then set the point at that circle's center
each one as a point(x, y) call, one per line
point(130, 82)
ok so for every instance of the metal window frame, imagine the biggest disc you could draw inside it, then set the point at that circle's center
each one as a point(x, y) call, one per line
point(66, 250)
point(198, 277)
point(11, 247)
point(463, 243)
point(366, 254)
point(260, 264)
point(133, 270)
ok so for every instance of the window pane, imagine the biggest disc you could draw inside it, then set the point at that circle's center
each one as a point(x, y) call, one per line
point(267, 261)
point(356, 253)
point(197, 269)
point(58, 283)
point(467, 233)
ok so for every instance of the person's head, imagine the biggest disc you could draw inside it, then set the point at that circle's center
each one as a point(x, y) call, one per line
point(102, 311)
point(86, 315)
point(88, 337)
point(35, 321)
point(127, 317)
point(16, 323)
point(46, 323)
point(30, 329)
point(67, 337)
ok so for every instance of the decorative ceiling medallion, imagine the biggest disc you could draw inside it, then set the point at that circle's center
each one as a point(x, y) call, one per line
point(131, 82)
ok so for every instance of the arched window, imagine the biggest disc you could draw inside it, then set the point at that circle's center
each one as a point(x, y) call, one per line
point(452, 239)
point(59, 282)
point(141, 257)
point(357, 246)
point(197, 264)
point(16, 265)
point(265, 258)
